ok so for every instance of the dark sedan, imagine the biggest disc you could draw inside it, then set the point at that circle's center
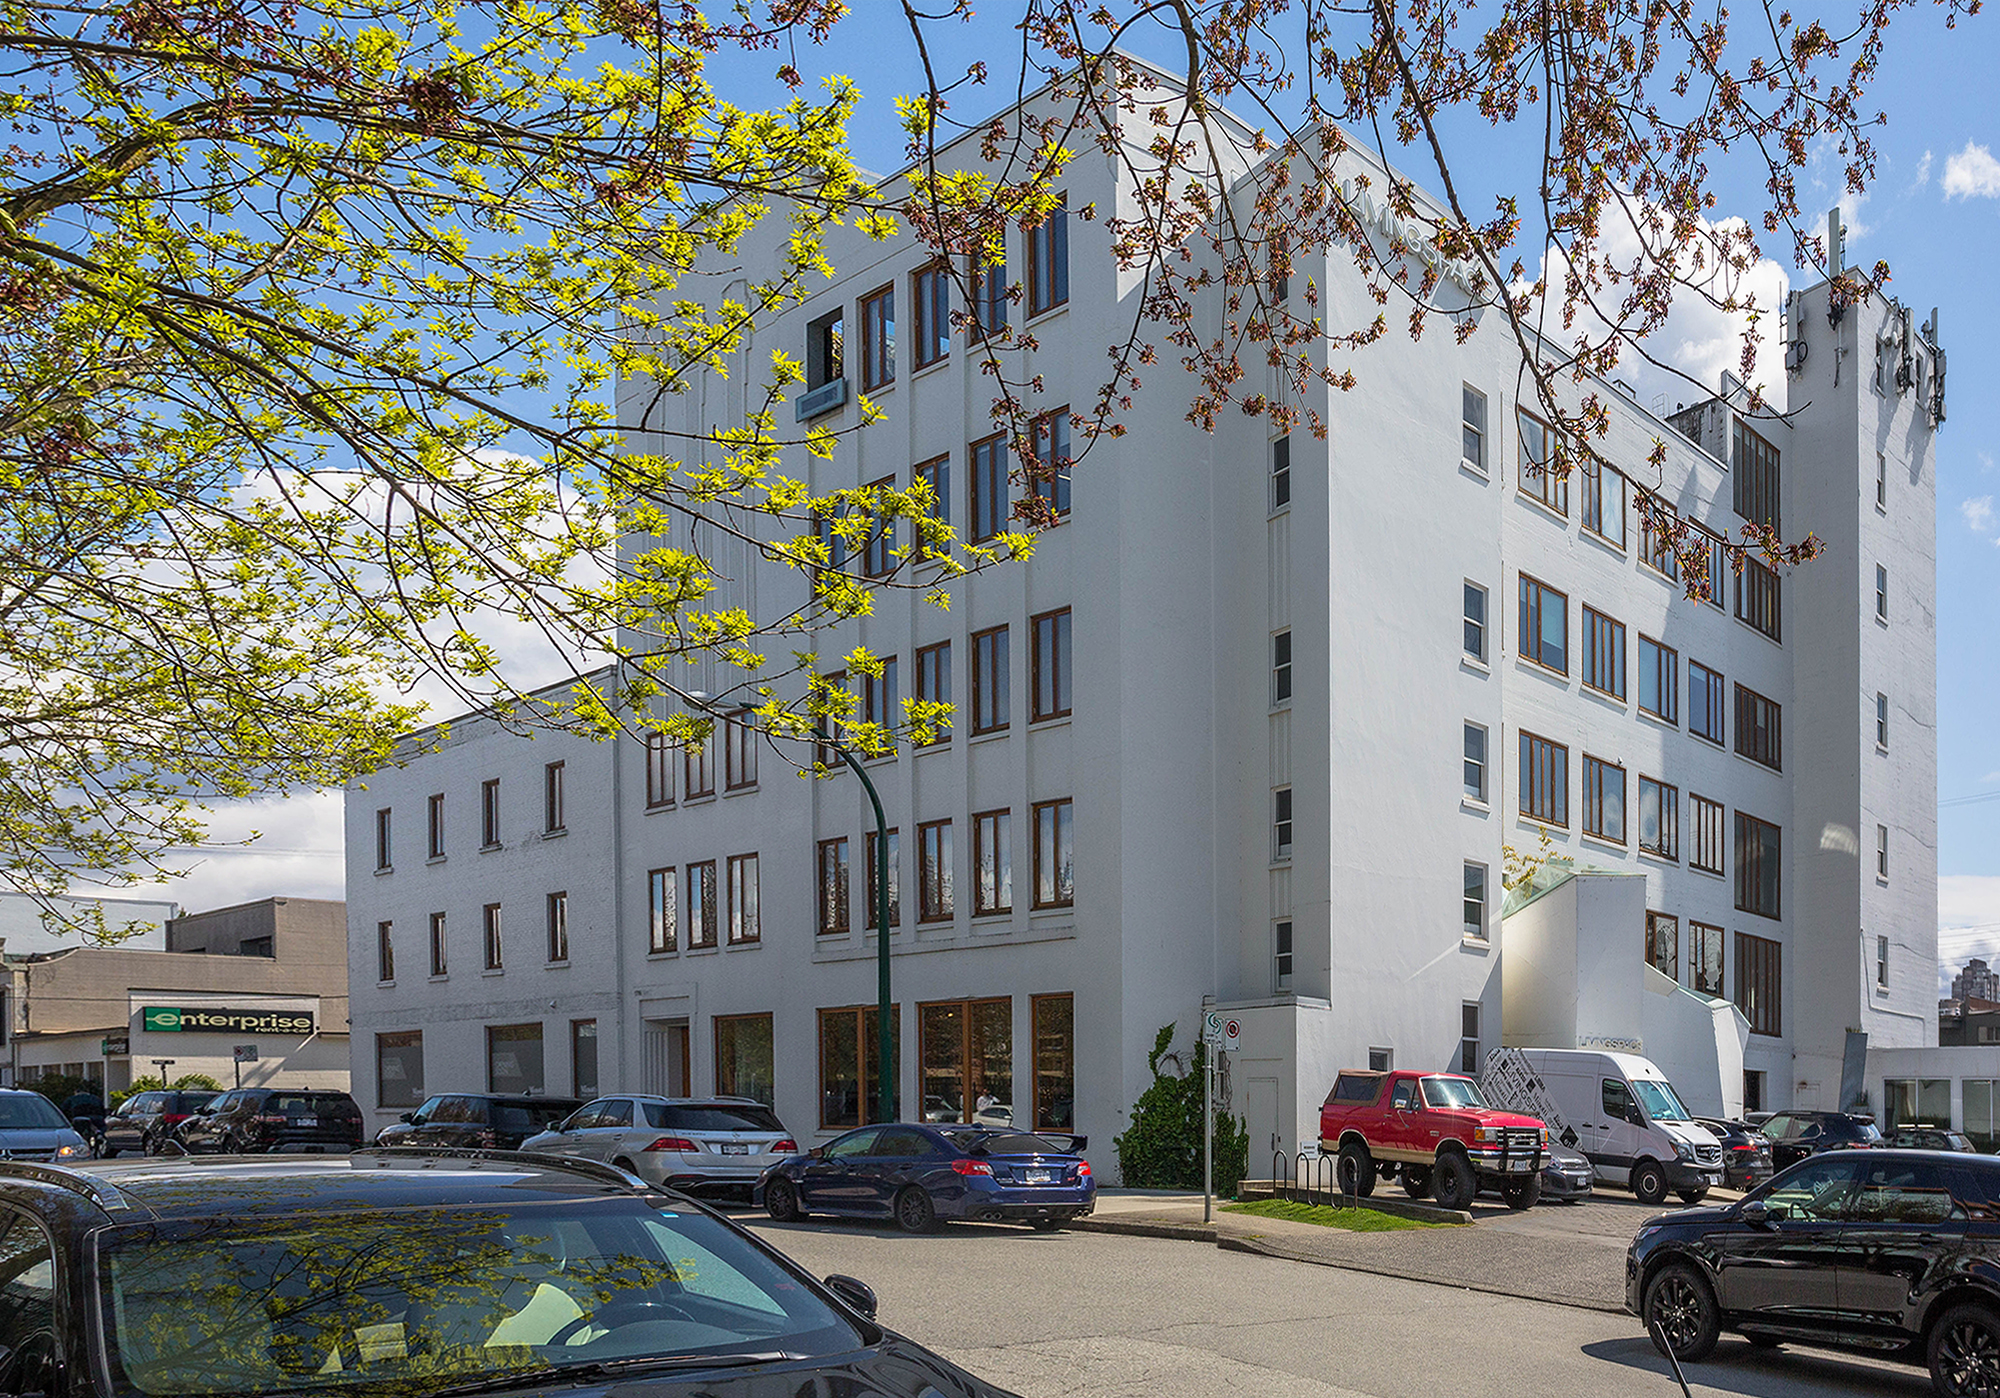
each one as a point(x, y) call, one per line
point(476, 1119)
point(1746, 1151)
point(1796, 1135)
point(918, 1174)
point(1891, 1252)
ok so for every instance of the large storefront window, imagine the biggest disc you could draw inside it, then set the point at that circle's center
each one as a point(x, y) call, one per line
point(1916, 1102)
point(849, 1066)
point(583, 1057)
point(743, 1057)
point(1979, 1123)
point(399, 1069)
point(1055, 1063)
point(514, 1058)
point(967, 1052)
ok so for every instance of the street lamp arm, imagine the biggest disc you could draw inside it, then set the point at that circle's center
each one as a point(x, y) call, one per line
point(885, 1074)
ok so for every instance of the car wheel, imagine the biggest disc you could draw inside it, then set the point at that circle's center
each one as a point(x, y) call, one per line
point(1522, 1194)
point(1649, 1182)
point(1680, 1313)
point(150, 1143)
point(1417, 1181)
point(781, 1201)
point(1354, 1170)
point(626, 1165)
point(915, 1213)
point(1964, 1351)
point(1691, 1197)
point(1456, 1184)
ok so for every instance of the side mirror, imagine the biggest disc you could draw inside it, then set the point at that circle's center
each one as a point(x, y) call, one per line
point(1634, 1115)
point(816, 1153)
point(854, 1292)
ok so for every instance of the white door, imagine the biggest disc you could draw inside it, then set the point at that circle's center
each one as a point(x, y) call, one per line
point(1622, 1139)
point(1261, 1121)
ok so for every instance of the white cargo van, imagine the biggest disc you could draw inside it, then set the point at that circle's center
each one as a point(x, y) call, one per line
point(1618, 1109)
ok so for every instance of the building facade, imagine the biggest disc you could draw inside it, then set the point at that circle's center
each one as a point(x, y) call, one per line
point(1256, 727)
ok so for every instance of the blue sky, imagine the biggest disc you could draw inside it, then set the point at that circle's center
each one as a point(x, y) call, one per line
point(1933, 213)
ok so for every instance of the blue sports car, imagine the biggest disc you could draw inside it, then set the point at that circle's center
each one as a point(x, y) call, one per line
point(918, 1174)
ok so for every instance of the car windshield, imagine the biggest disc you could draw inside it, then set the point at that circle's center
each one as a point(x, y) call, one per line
point(30, 1112)
point(710, 1116)
point(1453, 1092)
point(1659, 1100)
point(413, 1302)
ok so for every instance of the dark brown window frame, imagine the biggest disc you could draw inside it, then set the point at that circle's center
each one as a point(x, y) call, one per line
point(1048, 245)
point(739, 751)
point(555, 798)
point(1755, 476)
point(1056, 487)
point(440, 949)
point(929, 691)
point(1056, 807)
point(1669, 845)
point(865, 1038)
point(1751, 883)
point(1534, 599)
point(659, 772)
point(745, 930)
point(385, 952)
point(878, 344)
point(721, 1022)
point(1597, 625)
point(434, 825)
point(696, 760)
point(937, 899)
point(556, 919)
point(1655, 951)
point(1714, 704)
point(925, 1043)
point(1594, 803)
point(987, 472)
point(930, 311)
point(1760, 982)
point(1700, 936)
point(1667, 672)
point(702, 932)
point(1760, 599)
point(1060, 663)
point(982, 721)
point(1760, 728)
point(1045, 1120)
point(489, 813)
point(1001, 823)
point(492, 936)
point(1533, 746)
point(663, 915)
point(832, 894)
point(1552, 492)
point(1698, 807)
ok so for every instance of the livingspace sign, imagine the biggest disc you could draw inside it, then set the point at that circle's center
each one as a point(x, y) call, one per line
point(167, 1019)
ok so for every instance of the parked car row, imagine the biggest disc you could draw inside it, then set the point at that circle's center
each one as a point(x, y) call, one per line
point(236, 1122)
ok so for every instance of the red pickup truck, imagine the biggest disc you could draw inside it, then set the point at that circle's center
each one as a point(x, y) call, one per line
point(1436, 1131)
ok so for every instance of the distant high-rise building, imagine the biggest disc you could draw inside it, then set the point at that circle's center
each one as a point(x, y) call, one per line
point(1977, 981)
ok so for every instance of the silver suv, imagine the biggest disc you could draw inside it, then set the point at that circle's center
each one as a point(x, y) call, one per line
point(687, 1143)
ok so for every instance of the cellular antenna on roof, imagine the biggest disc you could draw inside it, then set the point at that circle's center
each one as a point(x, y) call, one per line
point(1836, 243)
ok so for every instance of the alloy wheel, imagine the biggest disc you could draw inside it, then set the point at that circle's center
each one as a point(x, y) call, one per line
point(1968, 1355)
point(1677, 1310)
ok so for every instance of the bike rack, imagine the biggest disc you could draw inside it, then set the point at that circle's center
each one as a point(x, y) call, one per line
point(1308, 1178)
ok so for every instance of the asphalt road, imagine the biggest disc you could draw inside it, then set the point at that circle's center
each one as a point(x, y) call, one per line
point(1076, 1315)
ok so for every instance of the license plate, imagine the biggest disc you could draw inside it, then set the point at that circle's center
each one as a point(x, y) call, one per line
point(735, 1148)
point(1521, 1165)
point(305, 1121)
point(1039, 1176)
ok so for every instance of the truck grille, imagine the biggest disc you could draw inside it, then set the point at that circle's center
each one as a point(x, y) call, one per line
point(1521, 1141)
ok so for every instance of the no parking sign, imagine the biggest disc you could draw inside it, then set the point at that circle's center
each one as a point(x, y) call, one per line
point(1222, 1030)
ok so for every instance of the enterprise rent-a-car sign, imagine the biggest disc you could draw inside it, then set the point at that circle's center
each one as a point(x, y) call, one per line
point(167, 1019)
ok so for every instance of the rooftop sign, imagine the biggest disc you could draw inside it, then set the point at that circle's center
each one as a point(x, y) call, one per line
point(167, 1019)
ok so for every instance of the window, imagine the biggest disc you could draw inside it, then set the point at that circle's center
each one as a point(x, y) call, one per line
point(701, 904)
point(489, 813)
point(1882, 852)
point(434, 810)
point(1281, 956)
point(878, 339)
point(833, 891)
point(1054, 1062)
point(1473, 427)
point(1881, 720)
point(1051, 665)
point(385, 951)
point(1475, 900)
point(1475, 762)
point(438, 965)
point(1882, 961)
point(1709, 826)
point(934, 892)
point(399, 1069)
point(1380, 1059)
point(1881, 481)
point(878, 556)
point(936, 473)
point(1705, 702)
point(1281, 668)
point(490, 924)
point(934, 685)
point(697, 769)
point(662, 918)
point(1755, 476)
point(1603, 502)
point(1475, 621)
point(1656, 544)
point(1048, 259)
point(1758, 865)
point(583, 1057)
point(1603, 653)
point(989, 297)
point(895, 881)
point(1544, 625)
point(552, 798)
point(1468, 1038)
point(1281, 473)
point(739, 751)
point(382, 818)
point(989, 487)
point(823, 349)
point(1663, 944)
point(1713, 587)
point(930, 288)
point(1758, 965)
point(989, 680)
point(1757, 598)
point(1705, 958)
point(1604, 799)
point(744, 923)
point(514, 1059)
point(993, 864)
point(1050, 481)
point(1544, 780)
point(882, 698)
point(965, 1051)
point(1538, 465)
point(1659, 818)
point(1281, 823)
point(1759, 729)
point(824, 753)
point(1659, 680)
point(1055, 852)
point(744, 1059)
point(1881, 593)
point(558, 919)
point(835, 542)
point(850, 1066)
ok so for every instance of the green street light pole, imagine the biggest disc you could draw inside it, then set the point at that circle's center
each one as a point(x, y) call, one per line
point(885, 1073)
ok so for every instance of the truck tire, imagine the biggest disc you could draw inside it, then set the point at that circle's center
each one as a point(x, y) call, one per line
point(1354, 1171)
point(1522, 1194)
point(1417, 1181)
point(1649, 1182)
point(1456, 1184)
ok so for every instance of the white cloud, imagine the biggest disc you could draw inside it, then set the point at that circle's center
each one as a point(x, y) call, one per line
point(1923, 174)
point(1968, 922)
point(1972, 173)
point(1978, 514)
point(298, 854)
point(1850, 216)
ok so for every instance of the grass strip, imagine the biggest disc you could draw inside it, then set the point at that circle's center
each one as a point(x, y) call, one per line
point(1326, 1216)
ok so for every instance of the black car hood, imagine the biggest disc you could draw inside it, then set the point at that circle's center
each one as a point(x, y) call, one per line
point(1693, 1218)
point(895, 1368)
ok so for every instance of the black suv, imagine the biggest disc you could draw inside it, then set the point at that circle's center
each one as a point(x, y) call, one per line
point(1746, 1151)
point(274, 1118)
point(1796, 1135)
point(1894, 1252)
point(145, 1121)
point(415, 1273)
point(477, 1119)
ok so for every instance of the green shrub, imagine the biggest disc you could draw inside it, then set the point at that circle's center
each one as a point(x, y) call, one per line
point(1161, 1149)
point(151, 1083)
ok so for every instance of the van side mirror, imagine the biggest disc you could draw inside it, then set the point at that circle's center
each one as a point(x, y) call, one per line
point(1634, 1115)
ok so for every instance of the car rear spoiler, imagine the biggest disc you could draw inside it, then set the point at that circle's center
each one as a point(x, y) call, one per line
point(1077, 1144)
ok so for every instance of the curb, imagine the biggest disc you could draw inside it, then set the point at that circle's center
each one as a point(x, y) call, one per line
point(1145, 1228)
point(1266, 1248)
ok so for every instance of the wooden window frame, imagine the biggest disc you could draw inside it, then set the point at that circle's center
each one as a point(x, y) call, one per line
point(746, 925)
point(865, 1038)
point(1597, 772)
point(933, 679)
point(983, 721)
point(1751, 883)
point(1551, 491)
point(663, 912)
point(1049, 433)
point(833, 895)
point(1535, 595)
point(1760, 729)
point(385, 829)
point(1045, 1120)
point(385, 952)
point(925, 1043)
point(701, 887)
point(555, 814)
point(877, 314)
point(696, 762)
point(1597, 629)
point(1056, 657)
point(1048, 260)
point(1539, 759)
point(1656, 950)
point(739, 752)
point(492, 933)
point(1667, 797)
point(720, 1023)
point(489, 813)
point(993, 828)
point(989, 297)
point(556, 910)
point(1760, 599)
point(1701, 935)
point(440, 949)
point(434, 826)
point(936, 896)
point(1715, 703)
point(1056, 808)
point(1709, 822)
point(988, 472)
point(1755, 476)
point(1665, 698)
point(1760, 983)
point(930, 306)
point(1594, 472)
